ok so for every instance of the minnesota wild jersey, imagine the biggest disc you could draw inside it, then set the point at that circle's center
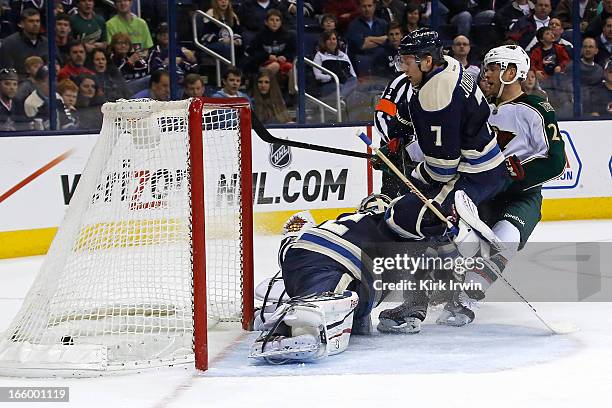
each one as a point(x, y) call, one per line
point(527, 128)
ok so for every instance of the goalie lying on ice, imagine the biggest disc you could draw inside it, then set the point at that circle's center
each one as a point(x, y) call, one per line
point(329, 282)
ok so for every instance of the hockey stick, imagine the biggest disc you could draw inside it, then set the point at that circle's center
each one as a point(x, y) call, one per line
point(452, 228)
point(264, 135)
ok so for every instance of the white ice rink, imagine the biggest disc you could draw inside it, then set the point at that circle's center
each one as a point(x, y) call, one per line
point(504, 359)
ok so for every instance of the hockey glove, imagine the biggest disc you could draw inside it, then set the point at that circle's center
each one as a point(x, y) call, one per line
point(395, 151)
point(515, 169)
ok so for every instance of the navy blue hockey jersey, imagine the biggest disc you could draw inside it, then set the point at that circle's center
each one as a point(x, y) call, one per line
point(449, 114)
point(349, 243)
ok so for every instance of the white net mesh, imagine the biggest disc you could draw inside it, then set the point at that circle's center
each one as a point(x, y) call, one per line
point(115, 290)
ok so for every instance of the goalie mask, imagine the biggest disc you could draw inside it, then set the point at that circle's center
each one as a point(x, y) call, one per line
point(377, 203)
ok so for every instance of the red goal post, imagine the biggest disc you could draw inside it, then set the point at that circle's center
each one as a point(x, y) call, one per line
point(196, 113)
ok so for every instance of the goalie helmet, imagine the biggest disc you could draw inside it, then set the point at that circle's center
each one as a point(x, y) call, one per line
point(506, 55)
point(374, 203)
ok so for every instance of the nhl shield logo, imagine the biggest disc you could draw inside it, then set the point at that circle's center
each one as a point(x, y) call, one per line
point(280, 155)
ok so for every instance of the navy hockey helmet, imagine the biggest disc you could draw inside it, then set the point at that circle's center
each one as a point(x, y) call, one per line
point(422, 42)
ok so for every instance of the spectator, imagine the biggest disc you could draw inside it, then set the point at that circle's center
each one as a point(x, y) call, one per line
point(344, 10)
point(557, 29)
point(23, 44)
point(601, 101)
point(158, 58)
point(604, 43)
point(273, 48)
point(412, 18)
point(591, 73)
point(510, 13)
point(588, 11)
point(461, 50)
point(330, 57)
point(595, 27)
point(131, 64)
point(524, 30)
point(366, 37)
point(62, 36)
point(89, 100)
point(218, 38)
point(463, 13)
point(64, 7)
point(88, 27)
point(11, 109)
point(253, 15)
point(268, 103)
point(329, 23)
point(26, 87)
point(69, 92)
point(135, 27)
point(392, 11)
point(76, 66)
point(159, 87)
point(311, 8)
point(193, 86)
point(19, 6)
point(107, 76)
point(36, 105)
point(531, 86)
point(394, 37)
point(232, 80)
point(548, 58)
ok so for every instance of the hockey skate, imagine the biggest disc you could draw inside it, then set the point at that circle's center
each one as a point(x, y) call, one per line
point(405, 318)
point(459, 311)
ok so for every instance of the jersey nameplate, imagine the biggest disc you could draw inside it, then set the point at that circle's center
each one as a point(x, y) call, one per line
point(547, 106)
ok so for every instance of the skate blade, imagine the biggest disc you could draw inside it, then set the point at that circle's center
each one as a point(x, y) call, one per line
point(284, 353)
point(454, 321)
point(389, 326)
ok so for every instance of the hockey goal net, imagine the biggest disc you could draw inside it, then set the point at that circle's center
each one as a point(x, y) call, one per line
point(155, 246)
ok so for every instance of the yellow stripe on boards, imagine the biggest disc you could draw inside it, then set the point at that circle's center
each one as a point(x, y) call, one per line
point(15, 244)
point(271, 223)
point(563, 209)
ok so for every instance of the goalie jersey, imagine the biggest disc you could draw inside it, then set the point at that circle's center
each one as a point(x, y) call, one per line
point(526, 128)
point(346, 245)
point(449, 114)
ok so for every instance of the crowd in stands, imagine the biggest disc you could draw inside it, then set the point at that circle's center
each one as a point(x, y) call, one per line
point(105, 52)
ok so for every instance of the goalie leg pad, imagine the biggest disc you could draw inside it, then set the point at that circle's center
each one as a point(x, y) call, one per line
point(306, 329)
point(468, 214)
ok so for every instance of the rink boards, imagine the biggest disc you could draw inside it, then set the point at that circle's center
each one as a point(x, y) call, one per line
point(39, 174)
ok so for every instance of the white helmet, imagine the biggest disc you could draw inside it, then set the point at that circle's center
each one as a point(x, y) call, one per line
point(509, 54)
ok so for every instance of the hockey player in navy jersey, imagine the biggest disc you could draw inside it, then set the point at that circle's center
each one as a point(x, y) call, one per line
point(331, 285)
point(455, 148)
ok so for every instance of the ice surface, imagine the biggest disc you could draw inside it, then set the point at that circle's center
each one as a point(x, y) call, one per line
point(504, 359)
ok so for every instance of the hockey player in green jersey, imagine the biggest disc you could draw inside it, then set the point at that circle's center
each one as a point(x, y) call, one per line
point(528, 134)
